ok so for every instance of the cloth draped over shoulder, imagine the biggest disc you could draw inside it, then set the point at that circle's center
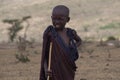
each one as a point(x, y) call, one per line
point(63, 56)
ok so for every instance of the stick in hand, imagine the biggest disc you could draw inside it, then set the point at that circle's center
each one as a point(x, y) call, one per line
point(49, 63)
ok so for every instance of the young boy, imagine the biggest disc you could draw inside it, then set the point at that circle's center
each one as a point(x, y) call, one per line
point(64, 47)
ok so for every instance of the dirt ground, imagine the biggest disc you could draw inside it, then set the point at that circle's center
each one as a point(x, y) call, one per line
point(95, 63)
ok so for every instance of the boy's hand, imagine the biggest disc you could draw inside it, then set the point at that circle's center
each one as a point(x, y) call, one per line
point(49, 73)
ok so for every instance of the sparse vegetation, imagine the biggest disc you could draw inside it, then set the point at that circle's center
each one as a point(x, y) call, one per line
point(95, 62)
point(14, 29)
point(111, 26)
point(82, 13)
point(111, 38)
point(86, 30)
point(21, 41)
point(22, 58)
point(90, 66)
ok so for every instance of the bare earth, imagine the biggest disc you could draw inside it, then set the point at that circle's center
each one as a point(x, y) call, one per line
point(85, 14)
point(95, 63)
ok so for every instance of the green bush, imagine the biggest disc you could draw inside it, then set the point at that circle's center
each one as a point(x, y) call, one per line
point(111, 38)
point(110, 26)
point(22, 58)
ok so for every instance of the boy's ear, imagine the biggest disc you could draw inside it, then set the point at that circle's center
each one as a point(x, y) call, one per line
point(68, 19)
point(51, 17)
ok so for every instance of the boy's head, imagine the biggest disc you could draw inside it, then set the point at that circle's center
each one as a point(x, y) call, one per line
point(60, 16)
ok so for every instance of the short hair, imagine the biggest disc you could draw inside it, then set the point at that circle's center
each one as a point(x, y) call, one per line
point(63, 8)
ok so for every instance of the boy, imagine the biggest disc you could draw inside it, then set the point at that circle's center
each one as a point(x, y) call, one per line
point(64, 47)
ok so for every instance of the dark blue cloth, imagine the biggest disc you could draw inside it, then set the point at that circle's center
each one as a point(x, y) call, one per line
point(72, 48)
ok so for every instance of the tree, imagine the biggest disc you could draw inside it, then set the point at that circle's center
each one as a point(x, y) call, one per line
point(13, 34)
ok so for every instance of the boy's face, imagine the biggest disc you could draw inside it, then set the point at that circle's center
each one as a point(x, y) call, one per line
point(59, 18)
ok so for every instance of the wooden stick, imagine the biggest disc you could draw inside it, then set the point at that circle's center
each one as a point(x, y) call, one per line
point(49, 63)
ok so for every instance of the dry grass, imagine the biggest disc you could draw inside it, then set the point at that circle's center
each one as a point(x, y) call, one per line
point(11, 69)
point(95, 13)
point(91, 66)
point(95, 63)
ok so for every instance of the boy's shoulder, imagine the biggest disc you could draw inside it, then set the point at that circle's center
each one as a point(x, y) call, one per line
point(71, 30)
point(48, 29)
point(68, 28)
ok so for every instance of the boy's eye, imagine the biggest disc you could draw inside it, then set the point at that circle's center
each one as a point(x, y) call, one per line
point(58, 18)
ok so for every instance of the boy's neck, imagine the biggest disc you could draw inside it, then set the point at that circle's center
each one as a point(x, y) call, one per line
point(60, 29)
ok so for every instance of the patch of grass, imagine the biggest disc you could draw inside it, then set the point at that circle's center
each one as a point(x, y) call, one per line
point(111, 38)
point(22, 58)
point(110, 26)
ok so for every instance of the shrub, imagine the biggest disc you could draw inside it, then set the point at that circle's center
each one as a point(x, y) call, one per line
point(22, 58)
point(111, 38)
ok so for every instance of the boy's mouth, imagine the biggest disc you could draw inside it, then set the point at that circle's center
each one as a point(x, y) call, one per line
point(57, 26)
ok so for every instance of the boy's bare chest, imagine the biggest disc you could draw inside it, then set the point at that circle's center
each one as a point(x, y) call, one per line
point(64, 37)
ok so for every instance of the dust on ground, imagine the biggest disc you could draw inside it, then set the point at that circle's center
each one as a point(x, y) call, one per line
point(95, 63)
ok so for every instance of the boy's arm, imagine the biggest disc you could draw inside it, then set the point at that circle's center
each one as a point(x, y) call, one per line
point(45, 53)
point(77, 38)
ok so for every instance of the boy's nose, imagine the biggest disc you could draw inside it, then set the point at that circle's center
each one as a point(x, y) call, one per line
point(57, 21)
